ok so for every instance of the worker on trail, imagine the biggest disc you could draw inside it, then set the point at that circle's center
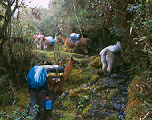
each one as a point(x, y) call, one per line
point(38, 91)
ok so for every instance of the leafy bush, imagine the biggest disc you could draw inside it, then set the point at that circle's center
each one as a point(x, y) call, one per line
point(18, 113)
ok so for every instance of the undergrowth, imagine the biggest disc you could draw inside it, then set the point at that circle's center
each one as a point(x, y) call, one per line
point(140, 98)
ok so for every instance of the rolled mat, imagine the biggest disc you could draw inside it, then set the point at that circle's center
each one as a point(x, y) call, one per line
point(54, 74)
point(55, 70)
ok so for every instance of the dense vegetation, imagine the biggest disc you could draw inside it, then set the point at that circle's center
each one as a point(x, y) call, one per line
point(103, 21)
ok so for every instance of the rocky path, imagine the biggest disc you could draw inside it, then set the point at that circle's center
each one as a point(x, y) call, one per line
point(108, 99)
point(115, 106)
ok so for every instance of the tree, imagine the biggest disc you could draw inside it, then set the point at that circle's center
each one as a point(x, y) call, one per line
point(5, 34)
point(16, 45)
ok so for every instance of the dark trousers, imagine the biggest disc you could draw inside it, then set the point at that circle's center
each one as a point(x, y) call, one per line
point(37, 97)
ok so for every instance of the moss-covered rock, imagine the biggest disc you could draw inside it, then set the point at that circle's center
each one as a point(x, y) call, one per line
point(95, 62)
point(139, 104)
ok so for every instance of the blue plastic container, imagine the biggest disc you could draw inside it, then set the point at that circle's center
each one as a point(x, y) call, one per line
point(48, 104)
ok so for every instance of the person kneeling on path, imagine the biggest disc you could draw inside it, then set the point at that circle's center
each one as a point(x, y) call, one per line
point(38, 91)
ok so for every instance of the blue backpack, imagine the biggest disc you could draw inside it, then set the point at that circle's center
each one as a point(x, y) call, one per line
point(36, 77)
point(51, 40)
point(74, 38)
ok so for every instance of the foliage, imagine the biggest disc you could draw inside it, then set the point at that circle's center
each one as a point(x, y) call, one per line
point(87, 109)
point(7, 97)
point(139, 103)
point(19, 113)
point(139, 89)
point(141, 33)
point(113, 93)
point(100, 16)
point(104, 22)
point(19, 109)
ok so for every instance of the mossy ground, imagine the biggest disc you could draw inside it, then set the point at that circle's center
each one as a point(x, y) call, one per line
point(139, 104)
point(79, 102)
point(79, 75)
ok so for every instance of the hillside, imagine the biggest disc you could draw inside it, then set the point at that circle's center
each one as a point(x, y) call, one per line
point(87, 93)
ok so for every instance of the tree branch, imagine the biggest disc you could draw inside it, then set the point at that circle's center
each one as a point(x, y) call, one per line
point(77, 19)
